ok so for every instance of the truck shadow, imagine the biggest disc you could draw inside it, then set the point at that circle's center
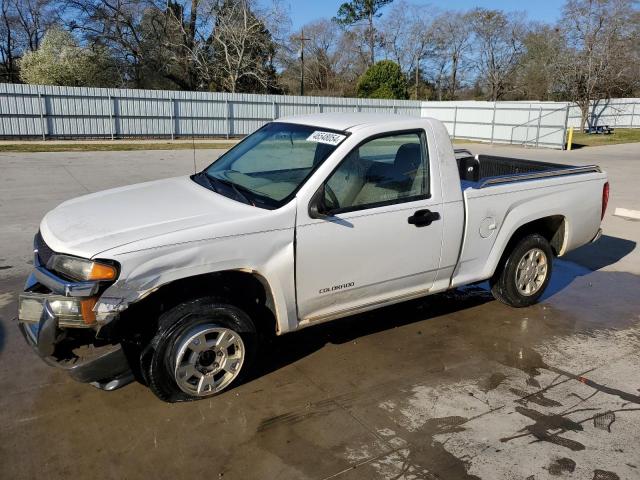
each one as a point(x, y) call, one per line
point(282, 351)
point(604, 252)
point(587, 259)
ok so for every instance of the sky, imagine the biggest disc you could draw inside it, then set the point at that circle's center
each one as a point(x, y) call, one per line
point(304, 11)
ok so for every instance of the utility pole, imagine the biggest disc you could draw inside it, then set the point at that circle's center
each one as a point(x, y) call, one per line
point(417, 76)
point(302, 40)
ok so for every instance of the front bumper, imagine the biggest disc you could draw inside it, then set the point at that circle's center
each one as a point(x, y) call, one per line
point(63, 341)
point(99, 365)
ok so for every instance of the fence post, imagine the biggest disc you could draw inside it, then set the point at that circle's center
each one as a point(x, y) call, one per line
point(227, 117)
point(455, 121)
point(274, 112)
point(538, 131)
point(42, 115)
point(633, 113)
point(493, 121)
point(112, 127)
point(319, 108)
point(526, 133)
point(172, 121)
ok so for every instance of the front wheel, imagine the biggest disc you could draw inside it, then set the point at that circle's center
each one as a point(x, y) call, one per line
point(524, 274)
point(201, 348)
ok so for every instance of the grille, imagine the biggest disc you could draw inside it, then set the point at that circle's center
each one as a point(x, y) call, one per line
point(44, 252)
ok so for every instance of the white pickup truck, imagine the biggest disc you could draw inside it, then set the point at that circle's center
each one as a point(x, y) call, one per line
point(309, 219)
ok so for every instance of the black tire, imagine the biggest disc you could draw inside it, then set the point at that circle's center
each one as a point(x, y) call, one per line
point(158, 361)
point(503, 283)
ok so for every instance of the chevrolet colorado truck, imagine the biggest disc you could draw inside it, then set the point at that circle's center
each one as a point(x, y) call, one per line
point(309, 219)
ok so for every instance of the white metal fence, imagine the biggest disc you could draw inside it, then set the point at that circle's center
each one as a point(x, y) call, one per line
point(523, 123)
point(50, 112)
point(615, 112)
point(67, 112)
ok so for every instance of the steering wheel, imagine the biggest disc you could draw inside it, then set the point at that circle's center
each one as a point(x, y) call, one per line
point(332, 196)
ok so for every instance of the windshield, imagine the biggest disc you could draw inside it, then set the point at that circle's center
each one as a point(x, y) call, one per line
point(271, 164)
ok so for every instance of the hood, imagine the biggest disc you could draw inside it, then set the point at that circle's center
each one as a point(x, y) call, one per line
point(91, 224)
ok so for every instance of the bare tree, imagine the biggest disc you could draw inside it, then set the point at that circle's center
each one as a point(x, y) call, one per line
point(536, 77)
point(407, 37)
point(158, 43)
point(596, 64)
point(452, 37)
point(363, 12)
point(322, 56)
point(438, 73)
point(22, 26)
point(243, 47)
point(8, 43)
point(35, 18)
point(498, 41)
point(115, 24)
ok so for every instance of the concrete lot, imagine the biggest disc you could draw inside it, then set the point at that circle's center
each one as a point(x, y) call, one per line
point(452, 386)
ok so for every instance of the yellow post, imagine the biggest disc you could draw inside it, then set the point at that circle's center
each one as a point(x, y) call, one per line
point(570, 139)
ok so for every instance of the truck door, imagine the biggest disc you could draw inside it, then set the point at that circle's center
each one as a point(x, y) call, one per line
point(381, 236)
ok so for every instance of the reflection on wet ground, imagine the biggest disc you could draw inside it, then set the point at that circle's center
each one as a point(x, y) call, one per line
point(451, 386)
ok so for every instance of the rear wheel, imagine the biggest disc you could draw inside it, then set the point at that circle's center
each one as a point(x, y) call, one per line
point(202, 348)
point(524, 274)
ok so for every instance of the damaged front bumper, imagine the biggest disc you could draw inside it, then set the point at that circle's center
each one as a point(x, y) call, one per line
point(53, 316)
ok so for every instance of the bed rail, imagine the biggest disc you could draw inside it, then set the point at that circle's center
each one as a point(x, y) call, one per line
point(520, 177)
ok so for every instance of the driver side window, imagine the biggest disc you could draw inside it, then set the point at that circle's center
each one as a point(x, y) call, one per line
point(384, 170)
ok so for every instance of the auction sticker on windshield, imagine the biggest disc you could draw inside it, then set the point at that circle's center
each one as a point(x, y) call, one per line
point(329, 138)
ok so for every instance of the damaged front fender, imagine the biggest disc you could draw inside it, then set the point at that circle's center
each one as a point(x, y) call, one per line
point(146, 271)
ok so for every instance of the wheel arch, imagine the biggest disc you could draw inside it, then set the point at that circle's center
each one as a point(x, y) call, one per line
point(553, 228)
point(243, 288)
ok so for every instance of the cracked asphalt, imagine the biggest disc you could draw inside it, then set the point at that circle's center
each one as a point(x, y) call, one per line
point(453, 386)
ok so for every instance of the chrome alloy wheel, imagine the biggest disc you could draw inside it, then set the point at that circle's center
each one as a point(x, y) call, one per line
point(208, 359)
point(531, 272)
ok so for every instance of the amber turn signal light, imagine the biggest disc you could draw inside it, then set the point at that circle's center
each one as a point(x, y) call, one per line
point(86, 308)
point(100, 271)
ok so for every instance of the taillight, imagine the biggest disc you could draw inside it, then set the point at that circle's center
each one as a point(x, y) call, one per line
point(605, 198)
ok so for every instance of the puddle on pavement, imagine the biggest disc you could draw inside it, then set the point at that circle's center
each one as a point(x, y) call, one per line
point(461, 336)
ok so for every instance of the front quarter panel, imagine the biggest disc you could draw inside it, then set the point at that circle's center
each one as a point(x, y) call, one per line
point(266, 253)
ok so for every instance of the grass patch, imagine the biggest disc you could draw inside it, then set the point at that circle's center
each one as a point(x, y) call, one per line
point(619, 135)
point(108, 147)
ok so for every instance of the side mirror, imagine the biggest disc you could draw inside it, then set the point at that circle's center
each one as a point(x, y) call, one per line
point(317, 206)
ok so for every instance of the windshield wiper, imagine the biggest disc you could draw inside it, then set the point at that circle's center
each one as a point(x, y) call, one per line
point(236, 189)
point(214, 183)
point(203, 179)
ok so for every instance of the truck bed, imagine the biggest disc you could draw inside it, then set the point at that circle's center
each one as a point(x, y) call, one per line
point(480, 171)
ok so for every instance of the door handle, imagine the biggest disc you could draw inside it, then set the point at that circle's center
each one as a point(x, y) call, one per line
point(422, 218)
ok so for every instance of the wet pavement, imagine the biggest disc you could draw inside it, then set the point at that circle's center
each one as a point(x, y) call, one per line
point(453, 386)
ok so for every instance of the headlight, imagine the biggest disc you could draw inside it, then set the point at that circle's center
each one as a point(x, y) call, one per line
point(81, 269)
point(70, 312)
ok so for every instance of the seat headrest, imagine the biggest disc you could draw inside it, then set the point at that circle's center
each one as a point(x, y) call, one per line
point(407, 158)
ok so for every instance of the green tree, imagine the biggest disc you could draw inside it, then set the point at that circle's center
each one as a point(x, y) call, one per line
point(60, 60)
point(383, 80)
point(357, 11)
